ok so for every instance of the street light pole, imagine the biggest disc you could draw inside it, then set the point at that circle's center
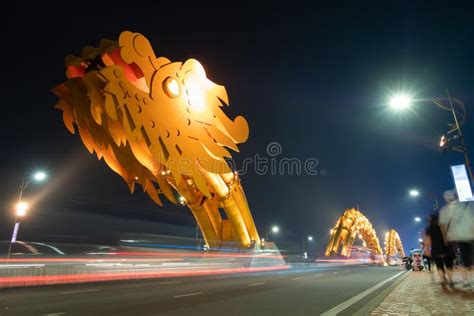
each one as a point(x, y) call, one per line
point(23, 186)
point(21, 207)
point(402, 102)
point(461, 138)
point(309, 239)
point(415, 193)
point(462, 148)
point(435, 200)
point(275, 229)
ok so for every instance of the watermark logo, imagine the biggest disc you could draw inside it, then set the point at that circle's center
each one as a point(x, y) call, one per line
point(276, 164)
point(273, 162)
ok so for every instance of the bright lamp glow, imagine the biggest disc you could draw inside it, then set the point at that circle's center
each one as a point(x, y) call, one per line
point(400, 102)
point(21, 208)
point(275, 229)
point(417, 219)
point(39, 176)
point(420, 240)
point(310, 238)
point(414, 192)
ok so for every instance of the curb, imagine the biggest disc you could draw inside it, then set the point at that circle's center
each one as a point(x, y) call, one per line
point(375, 302)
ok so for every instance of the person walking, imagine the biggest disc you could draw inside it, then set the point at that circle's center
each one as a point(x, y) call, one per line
point(427, 257)
point(456, 220)
point(437, 249)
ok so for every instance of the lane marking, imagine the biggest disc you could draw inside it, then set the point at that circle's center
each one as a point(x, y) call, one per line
point(339, 308)
point(297, 278)
point(317, 275)
point(21, 265)
point(80, 291)
point(55, 314)
point(189, 294)
point(170, 282)
point(255, 284)
point(335, 272)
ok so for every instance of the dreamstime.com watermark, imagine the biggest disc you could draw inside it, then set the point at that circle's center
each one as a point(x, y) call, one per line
point(272, 163)
point(276, 164)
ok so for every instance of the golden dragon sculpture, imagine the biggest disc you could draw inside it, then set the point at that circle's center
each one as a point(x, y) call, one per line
point(160, 124)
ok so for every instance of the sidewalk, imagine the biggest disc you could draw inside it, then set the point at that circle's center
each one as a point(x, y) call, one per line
point(417, 295)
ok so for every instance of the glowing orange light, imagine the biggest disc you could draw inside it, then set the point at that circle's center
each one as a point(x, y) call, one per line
point(21, 208)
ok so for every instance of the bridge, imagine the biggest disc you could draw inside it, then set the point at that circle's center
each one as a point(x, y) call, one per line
point(352, 224)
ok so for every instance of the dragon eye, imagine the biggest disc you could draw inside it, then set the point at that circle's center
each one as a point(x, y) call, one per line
point(171, 87)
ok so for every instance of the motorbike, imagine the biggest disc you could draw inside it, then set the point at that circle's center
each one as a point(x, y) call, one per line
point(408, 263)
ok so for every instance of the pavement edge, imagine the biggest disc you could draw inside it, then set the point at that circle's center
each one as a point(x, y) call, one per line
point(375, 302)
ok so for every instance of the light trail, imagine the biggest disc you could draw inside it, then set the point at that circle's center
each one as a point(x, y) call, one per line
point(263, 255)
point(90, 260)
point(98, 277)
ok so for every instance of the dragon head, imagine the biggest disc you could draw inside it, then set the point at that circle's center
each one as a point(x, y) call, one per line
point(154, 121)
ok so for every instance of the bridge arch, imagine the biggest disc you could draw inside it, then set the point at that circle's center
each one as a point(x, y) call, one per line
point(348, 226)
point(393, 244)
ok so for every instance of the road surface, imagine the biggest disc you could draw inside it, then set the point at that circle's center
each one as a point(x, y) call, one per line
point(290, 292)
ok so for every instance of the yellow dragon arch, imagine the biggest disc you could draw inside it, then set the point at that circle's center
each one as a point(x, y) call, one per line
point(346, 229)
point(393, 244)
point(160, 124)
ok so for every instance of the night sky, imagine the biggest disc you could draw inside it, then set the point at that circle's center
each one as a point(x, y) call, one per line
point(316, 80)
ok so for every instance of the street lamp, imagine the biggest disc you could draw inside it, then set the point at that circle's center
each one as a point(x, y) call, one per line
point(21, 207)
point(415, 193)
point(400, 102)
point(454, 134)
point(417, 219)
point(305, 253)
point(39, 176)
point(274, 229)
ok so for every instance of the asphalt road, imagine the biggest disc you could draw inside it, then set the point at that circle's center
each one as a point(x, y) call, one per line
point(291, 292)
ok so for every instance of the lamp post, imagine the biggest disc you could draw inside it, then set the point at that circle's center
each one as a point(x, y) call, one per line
point(309, 239)
point(415, 193)
point(22, 207)
point(402, 102)
point(274, 229)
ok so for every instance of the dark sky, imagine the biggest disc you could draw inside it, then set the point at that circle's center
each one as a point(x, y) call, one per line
point(314, 79)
